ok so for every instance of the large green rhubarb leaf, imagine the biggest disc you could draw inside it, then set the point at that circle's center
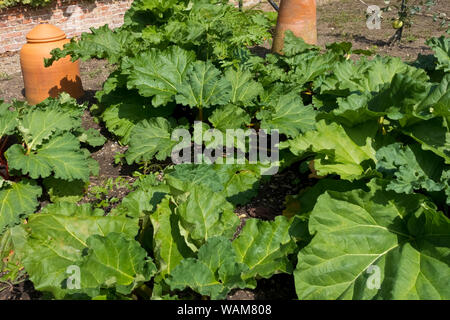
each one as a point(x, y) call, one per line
point(240, 181)
point(114, 261)
point(99, 43)
point(368, 76)
point(441, 47)
point(287, 114)
point(122, 118)
point(294, 45)
point(61, 155)
point(205, 219)
point(382, 71)
point(352, 110)
point(38, 125)
point(124, 109)
point(71, 209)
point(375, 245)
point(185, 176)
point(263, 246)
point(8, 120)
point(169, 246)
point(204, 87)
point(17, 199)
point(433, 135)
point(58, 240)
point(150, 138)
point(398, 99)
point(307, 67)
point(244, 89)
point(437, 101)
point(336, 151)
point(141, 202)
point(214, 273)
point(229, 117)
point(159, 73)
point(343, 78)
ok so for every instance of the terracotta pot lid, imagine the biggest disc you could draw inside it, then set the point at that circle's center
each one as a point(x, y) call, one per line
point(45, 33)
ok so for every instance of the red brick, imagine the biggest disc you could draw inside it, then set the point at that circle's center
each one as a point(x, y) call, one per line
point(16, 22)
point(12, 47)
point(15, 34)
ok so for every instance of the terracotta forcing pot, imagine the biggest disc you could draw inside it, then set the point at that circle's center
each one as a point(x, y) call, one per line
point(40, 82)
point(299, 16)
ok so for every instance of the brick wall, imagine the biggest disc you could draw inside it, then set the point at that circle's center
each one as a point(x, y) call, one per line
point(72, 16)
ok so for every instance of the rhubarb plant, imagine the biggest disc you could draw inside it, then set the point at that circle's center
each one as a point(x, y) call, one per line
point(41, 142)
point(101, 248)
point(370, 135)
point(403, 237)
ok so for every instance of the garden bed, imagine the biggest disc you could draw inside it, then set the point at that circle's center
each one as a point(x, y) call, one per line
point(360, 149)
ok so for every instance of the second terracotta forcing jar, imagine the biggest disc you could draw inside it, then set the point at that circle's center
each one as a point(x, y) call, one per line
point(40, 82)
point(298, 16)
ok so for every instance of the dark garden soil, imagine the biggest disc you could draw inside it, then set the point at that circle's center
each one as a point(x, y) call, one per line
point(346, 21)
point(24, 290)
point(337, 21)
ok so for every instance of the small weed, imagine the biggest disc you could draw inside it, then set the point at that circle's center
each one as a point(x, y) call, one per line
point(94, 73)
point(4, 76)
point(103, 195)
point(119, 158)
point(147, 167)
point(411, 38)
point(346, 35)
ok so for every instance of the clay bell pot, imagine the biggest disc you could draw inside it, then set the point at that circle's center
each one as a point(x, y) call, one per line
point(41, 82)
point(299, 16)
